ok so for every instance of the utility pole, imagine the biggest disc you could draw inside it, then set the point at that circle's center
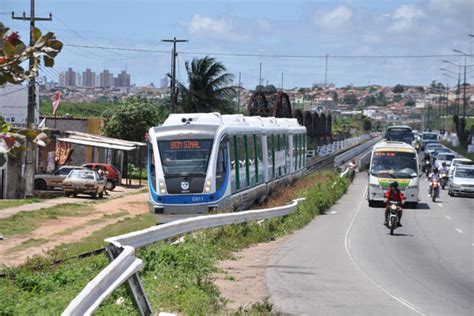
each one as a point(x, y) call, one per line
point(174, 54)
point(238, 96)
point(326, 72)
point(30, 118)
point(281, 81)
point(260, 75)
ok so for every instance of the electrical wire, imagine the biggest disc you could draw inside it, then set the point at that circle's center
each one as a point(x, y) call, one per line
point(272, 55)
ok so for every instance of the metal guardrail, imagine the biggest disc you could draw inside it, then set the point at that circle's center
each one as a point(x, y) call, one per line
point(125, 266)
point(348, 155)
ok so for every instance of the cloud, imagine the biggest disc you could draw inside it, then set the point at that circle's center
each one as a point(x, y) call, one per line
point(264, 25)
point(404, 18)
point(221, 28)
point(334, 19)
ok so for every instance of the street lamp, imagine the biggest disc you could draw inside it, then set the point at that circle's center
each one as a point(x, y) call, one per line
point(464, 103)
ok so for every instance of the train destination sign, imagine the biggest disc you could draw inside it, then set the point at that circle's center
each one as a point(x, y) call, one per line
point(185, 144)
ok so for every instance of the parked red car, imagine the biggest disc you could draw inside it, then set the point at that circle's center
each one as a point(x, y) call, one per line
point(112, 173)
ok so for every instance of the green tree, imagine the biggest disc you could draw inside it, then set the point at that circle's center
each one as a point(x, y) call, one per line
point(369, 100)
point(398, 89)
point(350, 99)
point(131, 118)
point(335, 97)
point(13, 52)
point(209, 87)
point(410, 103)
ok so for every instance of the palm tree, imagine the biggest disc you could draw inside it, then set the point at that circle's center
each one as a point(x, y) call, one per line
point(209, 87)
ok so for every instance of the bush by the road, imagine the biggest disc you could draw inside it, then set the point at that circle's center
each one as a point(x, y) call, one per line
point(176, 278)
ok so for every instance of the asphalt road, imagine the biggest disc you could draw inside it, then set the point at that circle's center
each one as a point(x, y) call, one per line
point(346, 262)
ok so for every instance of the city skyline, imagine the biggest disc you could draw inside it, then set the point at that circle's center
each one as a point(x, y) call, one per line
point(91, 79)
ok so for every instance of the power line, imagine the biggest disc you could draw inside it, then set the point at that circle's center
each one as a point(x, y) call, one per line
point(13, 91)
point(272, 55)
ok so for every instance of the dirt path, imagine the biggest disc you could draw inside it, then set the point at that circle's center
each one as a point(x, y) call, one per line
point(242, 281)
point(70, 229)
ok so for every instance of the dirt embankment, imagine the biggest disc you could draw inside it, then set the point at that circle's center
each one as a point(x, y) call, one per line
point(61, 230)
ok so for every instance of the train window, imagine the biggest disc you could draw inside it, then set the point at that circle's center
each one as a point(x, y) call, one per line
point(241, 153)
point(271, 173)
point(185, 157)
point(295, 145)
point(151, 166)
point(258, 159)
point(251, 159)
point(300, 152)
point(221, 164)
point(234, 165)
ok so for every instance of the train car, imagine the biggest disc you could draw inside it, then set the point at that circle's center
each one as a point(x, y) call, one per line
point(206, 162)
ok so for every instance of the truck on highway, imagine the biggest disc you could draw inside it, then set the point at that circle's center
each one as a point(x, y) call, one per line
point(391, 161)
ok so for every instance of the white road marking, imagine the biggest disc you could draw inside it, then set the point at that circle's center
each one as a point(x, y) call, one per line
point(333, 212)
point(459, 230)
point(441, 205)
point(448, 217)
point(473, 244)
point(399, 299)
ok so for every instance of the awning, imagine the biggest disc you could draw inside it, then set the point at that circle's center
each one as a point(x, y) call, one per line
point(99, 141)
point(94, 143)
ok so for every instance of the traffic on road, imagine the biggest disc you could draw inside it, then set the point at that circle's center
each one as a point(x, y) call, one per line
point(424, 266)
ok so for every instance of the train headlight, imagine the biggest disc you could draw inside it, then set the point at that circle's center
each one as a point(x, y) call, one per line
point(162, 187)
point(207, 187)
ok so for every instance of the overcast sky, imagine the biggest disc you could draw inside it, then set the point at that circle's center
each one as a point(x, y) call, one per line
point(297, 28)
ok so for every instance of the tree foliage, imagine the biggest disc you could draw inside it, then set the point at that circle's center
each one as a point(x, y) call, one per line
point(209, 88)
point(398, 89)
point(350, 99)
point(132, 118)
point(13, 52)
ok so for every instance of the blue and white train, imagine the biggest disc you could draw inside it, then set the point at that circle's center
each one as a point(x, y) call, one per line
point(204, 162)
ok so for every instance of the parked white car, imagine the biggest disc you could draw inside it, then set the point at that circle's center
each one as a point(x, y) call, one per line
point(462, 181)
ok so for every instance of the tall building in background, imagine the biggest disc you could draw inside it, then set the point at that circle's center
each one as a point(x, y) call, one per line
point(88, 78)
point(70, 78)
point(62, 79)
point(78, 79)
point(123, 79)
point(164, 83)
point(106, 79)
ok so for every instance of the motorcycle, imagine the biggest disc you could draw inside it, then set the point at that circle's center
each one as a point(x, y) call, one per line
point(444, 180)
point(427, 168)
point(392, 217)
point(434, 189)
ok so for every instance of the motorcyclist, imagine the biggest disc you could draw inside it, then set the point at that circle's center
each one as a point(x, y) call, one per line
point(432, 176)
point(444, 169)
point(394, 194)
point(352, 169)
point(427, 161)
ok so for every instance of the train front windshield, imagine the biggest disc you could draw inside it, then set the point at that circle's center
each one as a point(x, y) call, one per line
point(394, 164)
point(185, 157)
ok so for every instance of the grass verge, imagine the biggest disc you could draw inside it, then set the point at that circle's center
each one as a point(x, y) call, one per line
point(14, 203)
point(28, 244)
point(460, 150)
point(25, 222)
point(176, 278)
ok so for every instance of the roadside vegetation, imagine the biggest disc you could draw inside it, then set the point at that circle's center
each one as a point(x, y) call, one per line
point(14, 203)
point(25, 222)
point(176, 278)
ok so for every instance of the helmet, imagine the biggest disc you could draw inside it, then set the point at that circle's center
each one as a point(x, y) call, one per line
point(393, 184)
point(435, 170)
point(443, 164)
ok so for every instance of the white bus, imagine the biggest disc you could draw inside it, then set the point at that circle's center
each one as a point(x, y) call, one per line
point(393, 161)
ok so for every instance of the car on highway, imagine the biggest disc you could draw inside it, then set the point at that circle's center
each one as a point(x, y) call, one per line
point(444, 157)
point(84, 182)
point(427, 137)
point(45, 181)
point(459, 161)
point(462, 181)
point(112, 174)
point(439, 151)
